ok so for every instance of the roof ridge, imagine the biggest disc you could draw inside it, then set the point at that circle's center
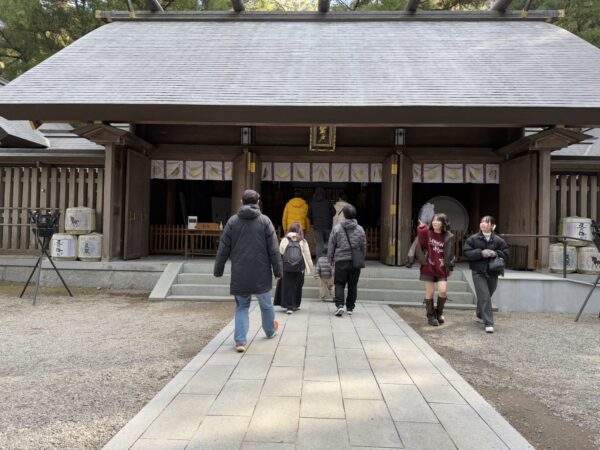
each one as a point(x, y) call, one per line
point(332, 16)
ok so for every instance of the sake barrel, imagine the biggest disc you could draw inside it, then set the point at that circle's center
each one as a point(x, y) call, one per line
point(63, 247)
point(90, 247)
point(556, 258)
point(579, 227)
point(588, 260)
point(80, 220)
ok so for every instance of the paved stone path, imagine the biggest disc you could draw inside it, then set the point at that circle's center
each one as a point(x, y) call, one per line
point(362, 381)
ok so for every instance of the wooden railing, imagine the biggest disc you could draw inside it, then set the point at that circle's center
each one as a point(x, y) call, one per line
point(167, 239)
point(170, 239)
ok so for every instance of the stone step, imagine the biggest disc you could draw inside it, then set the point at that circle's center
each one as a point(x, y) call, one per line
point(373, 270)
point(416, 303)
point(367, 283)
point(385, 295)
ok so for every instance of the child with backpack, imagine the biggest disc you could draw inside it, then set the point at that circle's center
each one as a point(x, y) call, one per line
point(296, 260)
point(324, 272)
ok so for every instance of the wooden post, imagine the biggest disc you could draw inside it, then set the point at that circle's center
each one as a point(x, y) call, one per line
point(112, 220)
point(544, 200)
point(404, 207)
point(389, 211)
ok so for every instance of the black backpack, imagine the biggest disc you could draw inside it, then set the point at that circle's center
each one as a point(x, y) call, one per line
point(293, 261)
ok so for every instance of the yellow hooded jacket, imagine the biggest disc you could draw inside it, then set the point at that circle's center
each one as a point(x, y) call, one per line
point(296, 210)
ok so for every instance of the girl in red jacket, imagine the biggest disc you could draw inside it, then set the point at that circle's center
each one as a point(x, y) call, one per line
point(438, 245)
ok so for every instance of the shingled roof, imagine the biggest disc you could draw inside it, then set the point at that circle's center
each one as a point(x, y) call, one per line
point(590, 148)
point(411, 72)
point(19, 132)
point(64, 146)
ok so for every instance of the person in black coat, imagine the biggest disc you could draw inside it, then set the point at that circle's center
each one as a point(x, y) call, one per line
point(479, 249)
point(249, 240)
point(320, 213)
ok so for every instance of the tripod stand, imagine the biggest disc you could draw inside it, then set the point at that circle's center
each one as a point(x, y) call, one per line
point(44, 229)
point(587, 298)
point(596, 240)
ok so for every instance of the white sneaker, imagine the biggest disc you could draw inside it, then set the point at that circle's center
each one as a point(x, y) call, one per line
point(476, 318)
point(289, 311)
point(489, 329)
point(339, 311)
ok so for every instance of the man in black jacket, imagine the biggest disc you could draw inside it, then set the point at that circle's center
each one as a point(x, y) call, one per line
point(320, 213)
point(249, 240)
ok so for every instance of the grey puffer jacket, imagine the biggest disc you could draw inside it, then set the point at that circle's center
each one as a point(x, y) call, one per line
point(338, 248)
point(323, 269)
point(249, 240)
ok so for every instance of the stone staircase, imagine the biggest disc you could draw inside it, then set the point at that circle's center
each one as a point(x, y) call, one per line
point(378, 283)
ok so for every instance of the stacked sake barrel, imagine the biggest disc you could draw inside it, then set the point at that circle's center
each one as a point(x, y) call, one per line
point(79, 239)
point(581, 256)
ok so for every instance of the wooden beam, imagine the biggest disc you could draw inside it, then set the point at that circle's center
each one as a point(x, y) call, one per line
point(324, 6)
point(107, 134)
point(289, 115)
point(237, 5)
point(500, 5)
point(551, 139)
point(412, 5)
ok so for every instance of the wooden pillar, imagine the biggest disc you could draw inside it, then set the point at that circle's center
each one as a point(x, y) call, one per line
point(112, 220)
point(544, 206)
point(404, 207)
point(246, 174)
point(388, 238)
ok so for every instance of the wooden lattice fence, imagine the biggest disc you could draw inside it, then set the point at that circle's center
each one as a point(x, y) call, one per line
point(24, 188)
point(574, 195)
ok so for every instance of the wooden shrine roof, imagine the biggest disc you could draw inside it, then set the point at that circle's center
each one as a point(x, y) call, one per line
point(397, 72)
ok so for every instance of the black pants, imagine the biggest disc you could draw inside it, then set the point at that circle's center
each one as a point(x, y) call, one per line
point(345, 273)
point(485, 285)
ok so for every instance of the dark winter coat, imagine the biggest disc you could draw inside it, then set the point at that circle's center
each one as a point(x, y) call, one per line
point(338, 248)
point(249, 240)
point(320, 211)
point(476, 243)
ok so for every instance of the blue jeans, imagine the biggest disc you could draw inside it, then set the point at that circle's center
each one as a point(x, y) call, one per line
point(242, 321)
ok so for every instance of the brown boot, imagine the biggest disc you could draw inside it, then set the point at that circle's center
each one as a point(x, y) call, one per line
point(440, 309)
point(431, 317)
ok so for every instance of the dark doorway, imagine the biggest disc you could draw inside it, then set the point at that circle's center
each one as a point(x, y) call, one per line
point(204, 199)
point(365, 197)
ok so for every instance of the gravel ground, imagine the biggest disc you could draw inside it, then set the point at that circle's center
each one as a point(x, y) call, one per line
point(541, 371)
point(75, 371)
